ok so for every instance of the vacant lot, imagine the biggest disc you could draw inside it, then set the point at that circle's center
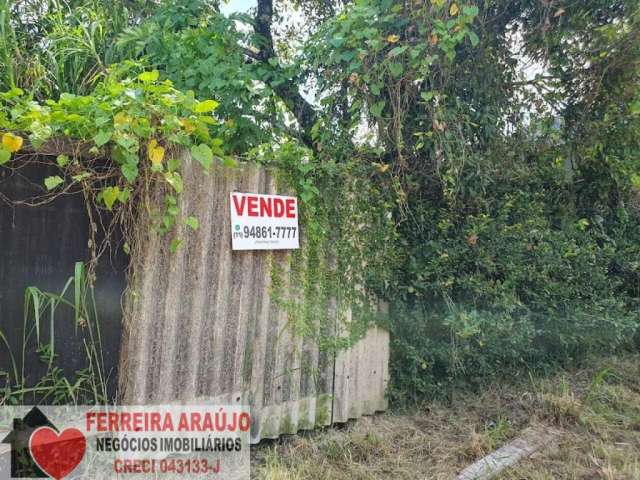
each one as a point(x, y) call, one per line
point(595, 412)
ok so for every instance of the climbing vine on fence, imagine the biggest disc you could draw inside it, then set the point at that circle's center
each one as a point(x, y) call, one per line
point(114, 144)
point(347, 254)
point(127, 138)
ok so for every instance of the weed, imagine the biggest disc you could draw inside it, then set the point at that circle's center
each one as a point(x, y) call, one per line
point(594, 409)
point(88, 386)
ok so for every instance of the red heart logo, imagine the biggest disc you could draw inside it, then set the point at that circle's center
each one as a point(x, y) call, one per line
point(57, 454)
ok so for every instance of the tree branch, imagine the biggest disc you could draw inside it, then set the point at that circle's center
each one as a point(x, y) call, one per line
point(250, 53)
point(287, 91)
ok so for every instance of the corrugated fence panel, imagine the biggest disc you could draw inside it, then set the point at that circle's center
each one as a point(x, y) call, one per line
point(362, 375)
point(200, 324)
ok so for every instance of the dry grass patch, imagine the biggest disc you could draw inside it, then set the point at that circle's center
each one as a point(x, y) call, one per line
point(595, 409)
point(600, 416)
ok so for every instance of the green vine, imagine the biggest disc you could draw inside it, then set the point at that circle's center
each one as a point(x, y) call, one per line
point(112, 145)
point(346, 251)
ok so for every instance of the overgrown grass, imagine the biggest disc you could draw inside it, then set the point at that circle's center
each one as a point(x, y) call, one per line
point(595, 410)
point(89, 384)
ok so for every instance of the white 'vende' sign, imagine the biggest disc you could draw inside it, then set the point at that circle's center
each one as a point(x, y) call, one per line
point(264, 222)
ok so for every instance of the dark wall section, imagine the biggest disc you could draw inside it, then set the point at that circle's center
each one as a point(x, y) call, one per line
point(39, 247)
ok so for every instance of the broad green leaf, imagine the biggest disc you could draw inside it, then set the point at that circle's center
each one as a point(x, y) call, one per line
point(175, 180)
point(175, 244)
point(148, 77)
point(123, 196)
point(110, 195)
point(80, 176)
point(62, 160)
point(206, 106)
point(470, 11)
point(426, 96)
point(398, 51)
point(203, 154)
point(582, 224)
point(39, 134)
point(102, 137)
point(229, 162)
point(376, 108)
point(130, 172)
point(474, 39)
point(14, 92)
point(173, 210)
point(128, 142)
point(337, 41)
point(5, 156)
point(207, 119)
point(396, 69)
point(192, 222)
point(52, 182)
point(173, 164)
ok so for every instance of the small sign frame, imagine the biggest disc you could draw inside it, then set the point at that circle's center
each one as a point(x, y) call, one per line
point(264, 222)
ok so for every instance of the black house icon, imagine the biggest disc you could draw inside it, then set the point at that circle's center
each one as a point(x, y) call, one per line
point(22, 463)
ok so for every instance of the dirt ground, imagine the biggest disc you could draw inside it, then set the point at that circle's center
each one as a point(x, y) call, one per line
point(595, 411)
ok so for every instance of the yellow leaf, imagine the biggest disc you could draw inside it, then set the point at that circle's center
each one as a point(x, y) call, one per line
point(187, 125)
point(156, 155)
point(382, 167)
point(110, 195)
point(206, 106)
point(453, 9)
point(121, 118)
point(149, 77)
point(12, 142)
point(393, 38)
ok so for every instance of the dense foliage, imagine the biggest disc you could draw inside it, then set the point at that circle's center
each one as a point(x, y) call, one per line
point(115, 144)
point(476, 164)
point(517, 225)
point(517, 189)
